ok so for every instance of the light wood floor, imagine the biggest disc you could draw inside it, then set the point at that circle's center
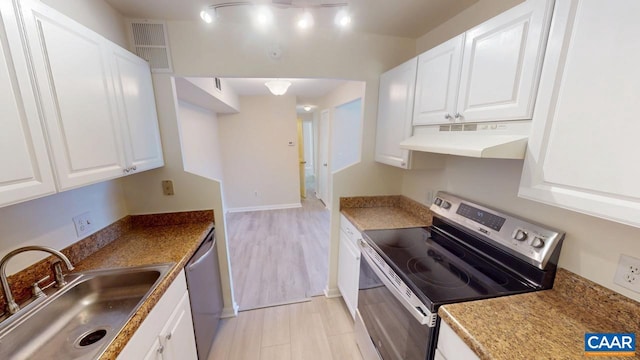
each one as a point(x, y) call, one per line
point(279, 256)
point(318, 329)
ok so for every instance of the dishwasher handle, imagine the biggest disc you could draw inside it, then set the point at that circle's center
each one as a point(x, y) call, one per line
point(194, 263)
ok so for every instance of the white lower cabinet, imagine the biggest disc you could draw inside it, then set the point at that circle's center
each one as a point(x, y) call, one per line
point(349, 264)
point(451, 347)
point(175, 339)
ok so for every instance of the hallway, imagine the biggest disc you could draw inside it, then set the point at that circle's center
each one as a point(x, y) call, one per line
point(279, 256)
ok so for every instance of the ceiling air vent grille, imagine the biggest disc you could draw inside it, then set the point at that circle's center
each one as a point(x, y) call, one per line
point(150, 42)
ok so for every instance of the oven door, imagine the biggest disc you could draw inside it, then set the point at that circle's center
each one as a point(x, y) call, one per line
point(396, 327)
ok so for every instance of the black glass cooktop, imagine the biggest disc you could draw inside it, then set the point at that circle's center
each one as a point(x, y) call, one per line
point(440, 269)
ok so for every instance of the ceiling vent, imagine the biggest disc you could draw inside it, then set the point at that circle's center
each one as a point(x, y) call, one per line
point(150, 42)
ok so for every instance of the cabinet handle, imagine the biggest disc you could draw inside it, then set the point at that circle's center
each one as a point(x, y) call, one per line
point(168, 337)
point(126, 171)
point(403, 164)
point(447, 116)
point(160, 349)
point(458, 115)
point(134, 168)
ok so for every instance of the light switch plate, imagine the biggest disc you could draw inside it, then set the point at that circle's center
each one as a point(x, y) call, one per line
point(83, 224)
point(628, 273)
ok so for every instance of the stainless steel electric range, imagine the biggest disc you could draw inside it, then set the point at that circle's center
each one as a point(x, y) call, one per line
point(470, 252)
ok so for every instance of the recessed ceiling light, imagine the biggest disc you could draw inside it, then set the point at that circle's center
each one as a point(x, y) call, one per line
point(205, 15)
point(307, 108)
point(343, 19)
point(305, 20)
point(263, 16)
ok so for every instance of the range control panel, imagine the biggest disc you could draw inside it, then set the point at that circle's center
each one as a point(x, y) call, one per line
point(531, 242)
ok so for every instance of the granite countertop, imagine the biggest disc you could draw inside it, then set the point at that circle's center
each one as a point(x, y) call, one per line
point(384, 212)
point(546, 324)
point(132, 241)
point(144, 246)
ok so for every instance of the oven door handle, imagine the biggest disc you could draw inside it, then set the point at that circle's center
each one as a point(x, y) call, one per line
point(420, 313)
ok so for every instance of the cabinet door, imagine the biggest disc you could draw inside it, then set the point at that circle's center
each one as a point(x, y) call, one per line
point(155, 351)
point(348, 273)
point(395, 112)
point(451, 346)
point(74, 80)
point(582, 153)
point(501, 64)
point(438, 82)
point(137, 106)
point(24, 160)
point(177, 336)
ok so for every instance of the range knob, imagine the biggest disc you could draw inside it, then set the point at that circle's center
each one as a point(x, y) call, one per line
point(446, 204)
point(537, 242)
point(520, 235)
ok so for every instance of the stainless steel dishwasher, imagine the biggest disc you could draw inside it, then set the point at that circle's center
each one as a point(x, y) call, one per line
point(205, 293)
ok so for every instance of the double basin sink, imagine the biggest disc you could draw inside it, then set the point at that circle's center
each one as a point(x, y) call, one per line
point(79, 320)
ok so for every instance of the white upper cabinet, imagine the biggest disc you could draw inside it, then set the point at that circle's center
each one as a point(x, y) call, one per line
point(489, 73)
point(395, 101)
point(76, 90)
point(438, 82)
point(137, 106)
point(582, 153)
point(24, 160)
point(97, 100)
point(502, 62)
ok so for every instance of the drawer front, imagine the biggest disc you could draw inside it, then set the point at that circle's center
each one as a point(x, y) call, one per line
point(350, 230)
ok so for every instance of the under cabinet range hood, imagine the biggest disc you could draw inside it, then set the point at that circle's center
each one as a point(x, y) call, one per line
point(504, 140)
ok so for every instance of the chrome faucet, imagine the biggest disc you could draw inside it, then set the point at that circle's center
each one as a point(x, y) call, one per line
point(12, 307)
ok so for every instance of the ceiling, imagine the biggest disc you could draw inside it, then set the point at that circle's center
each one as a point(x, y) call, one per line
point(306, 90)
point(302, 88)
point(403, 18)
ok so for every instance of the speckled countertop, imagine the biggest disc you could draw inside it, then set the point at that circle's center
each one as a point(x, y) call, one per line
point(131, 241)
point(546, 324)
point(144, 246)
point(384, 212)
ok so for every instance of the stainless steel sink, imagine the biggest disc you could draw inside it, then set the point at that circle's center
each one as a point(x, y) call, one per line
point(79, 320)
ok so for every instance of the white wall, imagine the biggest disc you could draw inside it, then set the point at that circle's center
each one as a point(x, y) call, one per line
point(199, 139)
point(346, 135)
point(260, 167)
point(48, 221)
point(143, 191)
point(97, 15)
point(228, 50)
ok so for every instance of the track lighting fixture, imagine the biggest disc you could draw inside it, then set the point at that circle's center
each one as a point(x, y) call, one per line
point(263, 14)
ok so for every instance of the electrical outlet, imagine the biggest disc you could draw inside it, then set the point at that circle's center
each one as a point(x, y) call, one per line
point(83, 223)
point(628, 273)
point(167, 187)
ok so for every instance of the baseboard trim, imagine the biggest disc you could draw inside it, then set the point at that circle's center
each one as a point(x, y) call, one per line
point(228, 312)
point(288, 302)
point(264, 208)
point(332, 293)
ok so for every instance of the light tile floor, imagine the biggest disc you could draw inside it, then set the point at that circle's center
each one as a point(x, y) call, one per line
point(318, 329)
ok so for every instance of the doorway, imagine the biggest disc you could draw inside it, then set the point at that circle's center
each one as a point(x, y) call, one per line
point(324, 181)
